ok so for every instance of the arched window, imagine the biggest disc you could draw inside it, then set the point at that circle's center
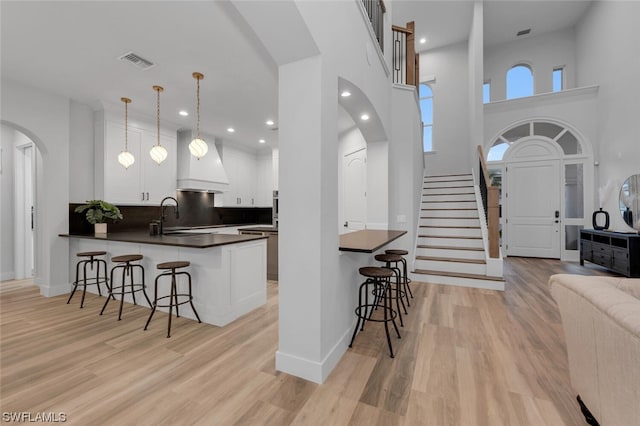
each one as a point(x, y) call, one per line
point(519, 82)
point(426, 111)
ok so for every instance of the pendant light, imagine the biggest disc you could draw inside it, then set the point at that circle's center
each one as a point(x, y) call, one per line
point(158, 152)
point(198, 147)
point(125, 157)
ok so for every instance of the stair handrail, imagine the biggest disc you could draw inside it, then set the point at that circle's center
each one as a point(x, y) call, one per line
point(406, 62)
point(490, 201)
point(375, 10)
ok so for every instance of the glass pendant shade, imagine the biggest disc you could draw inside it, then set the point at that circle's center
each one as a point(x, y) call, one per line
point(158, 153)
point(198, 148)
point(126, 159)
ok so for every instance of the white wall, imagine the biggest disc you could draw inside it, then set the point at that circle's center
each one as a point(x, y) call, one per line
point(451, 127)
point(607, 55)
point(45, 118)
point(7, 137)
point(81, 153)
point(542, 53)
point(476, 58)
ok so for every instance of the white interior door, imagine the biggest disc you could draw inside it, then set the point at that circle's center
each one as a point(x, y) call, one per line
point(355, 190)
point(533, 209)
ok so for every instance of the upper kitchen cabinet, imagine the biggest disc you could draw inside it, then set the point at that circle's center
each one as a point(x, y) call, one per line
point(240, 166)
point(145, 181)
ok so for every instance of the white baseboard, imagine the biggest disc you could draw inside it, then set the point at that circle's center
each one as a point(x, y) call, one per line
point(54, 290)
point(312, 370)
point(6, 276)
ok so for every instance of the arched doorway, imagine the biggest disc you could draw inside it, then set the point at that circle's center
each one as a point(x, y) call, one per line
point(21, 163)
point(545, 169)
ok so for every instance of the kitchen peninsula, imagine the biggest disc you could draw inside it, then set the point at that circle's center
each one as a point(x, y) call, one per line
point(228, 271)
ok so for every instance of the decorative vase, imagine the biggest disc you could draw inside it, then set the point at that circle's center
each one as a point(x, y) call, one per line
point(595, 221)
point(100, 228)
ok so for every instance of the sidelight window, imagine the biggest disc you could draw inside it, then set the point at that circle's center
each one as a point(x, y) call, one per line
point(426, 112)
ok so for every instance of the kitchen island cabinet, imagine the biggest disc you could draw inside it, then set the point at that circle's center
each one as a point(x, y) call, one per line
point(228, 271)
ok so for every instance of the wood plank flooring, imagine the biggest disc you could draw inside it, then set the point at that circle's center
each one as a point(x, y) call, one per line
point(466, 357)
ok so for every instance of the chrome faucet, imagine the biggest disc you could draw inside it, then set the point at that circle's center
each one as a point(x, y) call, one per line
point(162, 211)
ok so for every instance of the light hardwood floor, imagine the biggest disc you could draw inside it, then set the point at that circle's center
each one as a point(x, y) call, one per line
point(466, 357)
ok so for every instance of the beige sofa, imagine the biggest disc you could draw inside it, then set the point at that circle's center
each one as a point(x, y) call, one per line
point(601, 320)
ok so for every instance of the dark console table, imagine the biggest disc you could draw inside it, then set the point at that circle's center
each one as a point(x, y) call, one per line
point(617, 251)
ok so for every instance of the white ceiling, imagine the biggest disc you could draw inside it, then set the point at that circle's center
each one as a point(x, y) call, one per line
point(71, 48)
point(447, 22)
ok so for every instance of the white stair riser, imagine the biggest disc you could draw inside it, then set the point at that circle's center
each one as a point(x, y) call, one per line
point(447, 213)
point(445, 221)
point(451, 242)
point(458, 267)
point(447, 178)
point(449, 197)
point(451, 205)
point(452, 253)
point(451, 232)
point(457, 281)
point(453, 190)
point(453, 184)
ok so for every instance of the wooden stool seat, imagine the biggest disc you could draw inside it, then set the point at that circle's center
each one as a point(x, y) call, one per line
point(126, 258)
point(175, 299)
point(388, 258)
point(397, 251)
point(378, 287)
point(375, 272)
point(86, 280)
point(91, 253)
point(124, 264)
point(173, 265)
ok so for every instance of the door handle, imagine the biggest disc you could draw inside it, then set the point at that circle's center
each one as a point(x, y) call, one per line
point(346, 224)
point(557, 214)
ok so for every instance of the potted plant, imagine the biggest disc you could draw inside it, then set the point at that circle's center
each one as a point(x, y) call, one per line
point(97, 213)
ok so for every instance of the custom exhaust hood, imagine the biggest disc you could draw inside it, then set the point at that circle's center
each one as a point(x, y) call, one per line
point(205, 174)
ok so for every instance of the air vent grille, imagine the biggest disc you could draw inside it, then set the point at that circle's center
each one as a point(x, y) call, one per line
point(523, 32)
point(137, 60)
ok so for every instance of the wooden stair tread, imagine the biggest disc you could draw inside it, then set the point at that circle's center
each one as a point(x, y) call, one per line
point(449, 236)
point(439, 176)
point(460, 208)
point(451, 201)
point(452, 259)
point(426, 246)
point(449, 217)
point(457, 275)
point(449, 227)
point(448, 194)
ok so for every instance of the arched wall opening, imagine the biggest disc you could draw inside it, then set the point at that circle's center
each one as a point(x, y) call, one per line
point(527, 147)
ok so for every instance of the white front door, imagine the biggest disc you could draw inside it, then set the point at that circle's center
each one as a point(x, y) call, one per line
point(355, 190)
point(533, 209)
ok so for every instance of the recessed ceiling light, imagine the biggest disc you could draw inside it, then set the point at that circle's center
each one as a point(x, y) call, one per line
point(345, 94)
point(262, 141)
point(231, 130)
point(423, 40)
point(364, 117)
point(183, 113)
point(269, 123)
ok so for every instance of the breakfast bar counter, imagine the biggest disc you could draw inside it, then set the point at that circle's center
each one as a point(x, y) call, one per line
point(228, 271)
point(368, 240)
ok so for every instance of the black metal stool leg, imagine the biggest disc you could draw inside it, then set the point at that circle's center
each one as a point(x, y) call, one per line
point(386, 301)
point(75, 283)
point(122, 286)
point(144, 285)
point(155, 302)
point(110, 292)
point(191, 299)
point(171, 297)
point(84, 284)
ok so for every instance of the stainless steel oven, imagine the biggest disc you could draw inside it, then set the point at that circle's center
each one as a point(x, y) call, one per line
point(275, 210)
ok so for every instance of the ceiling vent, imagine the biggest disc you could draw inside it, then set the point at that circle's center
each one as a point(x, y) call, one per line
point(137, 60)
point(523, 32)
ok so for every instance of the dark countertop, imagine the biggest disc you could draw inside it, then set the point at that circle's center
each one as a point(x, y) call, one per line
point(368, 240)
point(190, 240)
point(259, 229)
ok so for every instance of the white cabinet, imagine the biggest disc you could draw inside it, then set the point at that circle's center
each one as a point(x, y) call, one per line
point(241, 171)
point(145, 181)
point(264, 183)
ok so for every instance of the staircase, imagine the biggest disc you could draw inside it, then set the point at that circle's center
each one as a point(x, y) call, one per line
point(450, 249)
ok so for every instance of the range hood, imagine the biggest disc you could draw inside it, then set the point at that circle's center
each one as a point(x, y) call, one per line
point(206, 174)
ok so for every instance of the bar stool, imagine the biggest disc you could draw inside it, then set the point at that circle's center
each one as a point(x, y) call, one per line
point(173, 295)
point(407, 280)
point(391, 262)
point(127, 269)
point(378, 285)
point(85, 281)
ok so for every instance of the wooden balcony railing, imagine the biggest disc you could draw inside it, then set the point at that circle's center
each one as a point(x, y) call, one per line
point(406, 62)
point(375, 10)
point(491, 206)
